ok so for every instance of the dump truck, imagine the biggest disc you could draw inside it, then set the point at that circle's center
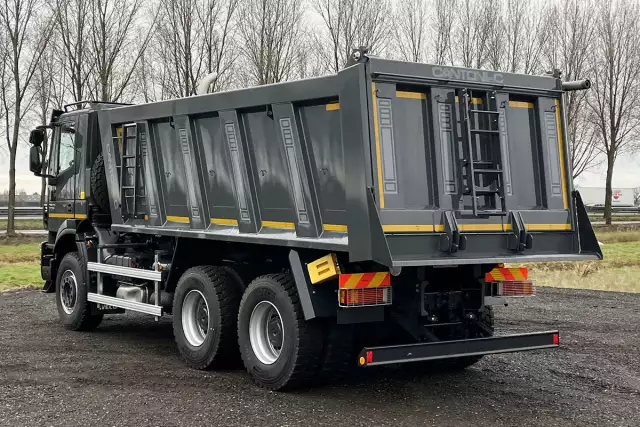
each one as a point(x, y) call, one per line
point(310, 228)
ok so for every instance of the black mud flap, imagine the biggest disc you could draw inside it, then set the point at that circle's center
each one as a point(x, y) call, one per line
point(374, 356)
point(587, 238)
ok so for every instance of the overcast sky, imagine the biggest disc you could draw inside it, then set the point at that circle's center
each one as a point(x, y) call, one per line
point(626, 174)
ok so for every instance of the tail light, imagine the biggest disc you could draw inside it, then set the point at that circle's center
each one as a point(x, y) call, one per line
point(365, 297)
point(516, 288)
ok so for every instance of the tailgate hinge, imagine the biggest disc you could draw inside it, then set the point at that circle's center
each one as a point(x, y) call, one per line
point(520, 239)
point(451, 241)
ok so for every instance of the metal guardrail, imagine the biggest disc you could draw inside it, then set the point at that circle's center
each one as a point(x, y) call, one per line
point(34, 211)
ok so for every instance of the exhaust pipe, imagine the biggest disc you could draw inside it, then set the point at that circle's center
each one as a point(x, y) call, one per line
point(576, 85)
point(205, 83)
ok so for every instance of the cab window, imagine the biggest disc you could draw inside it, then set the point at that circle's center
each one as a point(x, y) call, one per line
point(67, 149)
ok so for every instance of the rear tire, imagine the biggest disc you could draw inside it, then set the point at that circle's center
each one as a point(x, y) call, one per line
point(98, 185)
point(280, 350)
point(71, 295)
point(205, 312)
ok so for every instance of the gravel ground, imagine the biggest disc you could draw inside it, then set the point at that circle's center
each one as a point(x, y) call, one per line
point(128, 373)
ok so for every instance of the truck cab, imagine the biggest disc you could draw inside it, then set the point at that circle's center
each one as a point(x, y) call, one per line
point(74, 145)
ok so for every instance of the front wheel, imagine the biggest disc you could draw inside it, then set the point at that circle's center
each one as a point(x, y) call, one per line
point(71, 295)
point(280, 350)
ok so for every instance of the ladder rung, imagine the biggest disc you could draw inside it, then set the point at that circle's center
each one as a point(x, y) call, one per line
point(127, 187)
point(486, 192)
point(129, 156)
point(484, 111)
point(487, 170)
point(479, 163)
point(491, 213)
point(485, 131)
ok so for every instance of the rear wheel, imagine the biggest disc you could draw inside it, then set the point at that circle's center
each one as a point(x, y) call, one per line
point(71, 295)
point(280, 350)
point(205, 311)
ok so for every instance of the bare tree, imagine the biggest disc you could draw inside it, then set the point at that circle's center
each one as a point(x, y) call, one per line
point(114, 50)
point(573, 24)
point(615, 94)
point(349, 24)
point(496, 41)
point(194, 39)
point(270, 31)
point(26, 36)
point(472, 31)
point(73, 28)
point(411, 30)
point(444, 18)
point(48, 92)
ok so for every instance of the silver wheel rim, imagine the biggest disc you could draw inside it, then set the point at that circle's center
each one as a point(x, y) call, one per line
point(195, 318)
point(266, 332)
point(68, 291)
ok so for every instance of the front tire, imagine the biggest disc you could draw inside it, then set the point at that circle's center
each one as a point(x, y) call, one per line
point(205, 312)
point(71, 295)
point(280, 350)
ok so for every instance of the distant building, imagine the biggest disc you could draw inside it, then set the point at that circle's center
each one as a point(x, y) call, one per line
point(595, 196)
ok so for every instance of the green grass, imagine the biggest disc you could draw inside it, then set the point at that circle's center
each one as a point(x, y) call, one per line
point(24, 224)
point(20, 275)
point(622, 279)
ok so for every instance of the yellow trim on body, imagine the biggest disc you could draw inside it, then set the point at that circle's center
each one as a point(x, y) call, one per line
point(183, 219)
point(480, 227)
point(82, 195)
point(278, 224)
point(565, 199)
point(335, 227)
point(378, 150)
point(333, 106)
point(67, 215)
point(409, 228)
point(410, 95)
point(548, 227)
point(224, 221)
point(520, 104)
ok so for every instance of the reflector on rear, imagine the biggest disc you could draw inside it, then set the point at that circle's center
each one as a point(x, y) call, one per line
point(516, 288)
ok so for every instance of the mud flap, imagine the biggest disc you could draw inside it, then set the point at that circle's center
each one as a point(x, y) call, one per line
point(587, 241)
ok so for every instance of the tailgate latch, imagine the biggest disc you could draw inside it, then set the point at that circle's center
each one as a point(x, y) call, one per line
point(520, 239)
point(451, 241)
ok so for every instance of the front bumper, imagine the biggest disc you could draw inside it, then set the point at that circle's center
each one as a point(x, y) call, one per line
point(374, 356)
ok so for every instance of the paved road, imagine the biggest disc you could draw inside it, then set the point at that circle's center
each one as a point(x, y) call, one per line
point(127, 373)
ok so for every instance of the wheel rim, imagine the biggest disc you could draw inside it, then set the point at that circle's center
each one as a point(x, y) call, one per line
point(68, 291)
point(266, 332)
point(195, 318)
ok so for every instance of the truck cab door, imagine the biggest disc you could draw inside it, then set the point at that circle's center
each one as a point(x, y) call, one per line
point(64, 167)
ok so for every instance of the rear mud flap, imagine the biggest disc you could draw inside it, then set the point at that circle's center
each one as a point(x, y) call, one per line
point(588, 243)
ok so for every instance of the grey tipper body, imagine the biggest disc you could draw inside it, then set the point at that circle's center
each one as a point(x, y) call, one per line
point(434, 174)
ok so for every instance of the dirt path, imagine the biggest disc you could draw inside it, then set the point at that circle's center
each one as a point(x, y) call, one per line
point(127, 373)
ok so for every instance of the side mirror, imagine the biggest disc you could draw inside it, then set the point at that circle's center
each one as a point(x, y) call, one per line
point(35, 159)
point(37, 137)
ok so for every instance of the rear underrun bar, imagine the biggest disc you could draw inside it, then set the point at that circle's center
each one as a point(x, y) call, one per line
point(373, 356)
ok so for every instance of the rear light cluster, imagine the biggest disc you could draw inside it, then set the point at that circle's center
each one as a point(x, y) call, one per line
point(517, 288)
point(364, 297)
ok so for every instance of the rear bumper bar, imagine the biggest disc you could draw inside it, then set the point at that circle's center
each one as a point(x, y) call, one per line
point(373, 356)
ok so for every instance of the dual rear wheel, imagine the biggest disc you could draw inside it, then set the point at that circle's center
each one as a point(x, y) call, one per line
point(214, 320)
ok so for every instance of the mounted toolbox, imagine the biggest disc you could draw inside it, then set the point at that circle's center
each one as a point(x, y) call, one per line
point(359, 218)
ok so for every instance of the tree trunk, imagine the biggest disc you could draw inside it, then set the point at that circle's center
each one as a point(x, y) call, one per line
point(11, 227)
point(608, 191)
